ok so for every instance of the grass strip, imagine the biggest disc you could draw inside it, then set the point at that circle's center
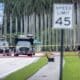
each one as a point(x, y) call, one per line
point(72, 67)
point(26, 72)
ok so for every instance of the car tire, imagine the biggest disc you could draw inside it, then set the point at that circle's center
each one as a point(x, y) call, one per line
point(29, 55)
point(16, 54)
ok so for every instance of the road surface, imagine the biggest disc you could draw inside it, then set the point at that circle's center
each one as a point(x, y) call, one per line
point(9, 65)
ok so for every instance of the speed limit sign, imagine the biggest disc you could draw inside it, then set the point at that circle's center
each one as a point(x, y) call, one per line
point(63, 16)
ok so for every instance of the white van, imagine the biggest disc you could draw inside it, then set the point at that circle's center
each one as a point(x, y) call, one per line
point(24, 45)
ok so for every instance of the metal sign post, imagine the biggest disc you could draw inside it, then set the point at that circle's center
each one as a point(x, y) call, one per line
point(61, 56)
point(62, 19)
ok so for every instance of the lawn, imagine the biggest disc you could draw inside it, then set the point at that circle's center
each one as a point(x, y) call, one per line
point(72, 67)
point(28, 71)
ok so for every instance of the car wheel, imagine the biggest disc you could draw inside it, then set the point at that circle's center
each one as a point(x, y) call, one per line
point(16, 54)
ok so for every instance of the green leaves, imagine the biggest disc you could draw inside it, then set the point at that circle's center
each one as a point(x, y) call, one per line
point(19, 7)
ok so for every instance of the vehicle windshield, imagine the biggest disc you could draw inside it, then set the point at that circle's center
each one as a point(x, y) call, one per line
point(24, 44)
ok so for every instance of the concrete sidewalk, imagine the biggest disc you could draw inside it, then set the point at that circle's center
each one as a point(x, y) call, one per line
point(48, 72)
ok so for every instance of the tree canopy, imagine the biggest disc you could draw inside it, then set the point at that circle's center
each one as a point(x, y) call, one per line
point(19, 7)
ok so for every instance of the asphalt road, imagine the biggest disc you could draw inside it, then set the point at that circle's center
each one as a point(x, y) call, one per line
point(11, 64)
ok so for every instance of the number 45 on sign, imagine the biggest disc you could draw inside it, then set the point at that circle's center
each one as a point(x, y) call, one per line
point(63, 16)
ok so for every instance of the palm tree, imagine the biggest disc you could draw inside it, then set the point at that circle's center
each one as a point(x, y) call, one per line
point(22, 10)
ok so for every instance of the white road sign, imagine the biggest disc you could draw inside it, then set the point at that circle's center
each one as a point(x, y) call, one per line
point(63, 16)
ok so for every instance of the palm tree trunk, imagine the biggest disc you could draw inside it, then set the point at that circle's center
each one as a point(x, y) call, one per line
point(21, 26)
point(25, 24)
point(28, 24)
point(51, 13)
point(74, 32)
point(47, 29)
point(16, 25)
point(35, 23)
point(5, 24)
point(10, 29)
point(32, 25)
point(39, 18)
point(49, 33)
point(43, 28)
